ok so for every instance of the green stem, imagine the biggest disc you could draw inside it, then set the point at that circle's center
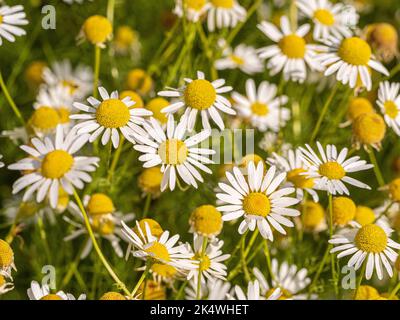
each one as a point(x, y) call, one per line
point(97, 58)
point(146, 206)
point(203, 252)
point(333, 266)
point(181, 290)
point(110, 11)
point(114, 163)
point(323, 112)
point(293, 15)
point(394, 291)
point(251, 242)
point(10, 100)
point(268, 258)
point(377, 170)
point(360, 278)
point(243, 260)
point(319, 270)
point(144, 275)
point(96, 246)
point(43, 236)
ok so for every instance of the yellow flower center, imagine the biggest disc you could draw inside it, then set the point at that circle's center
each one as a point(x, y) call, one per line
point(72, 86)
point(63, 199)
point(332, 170)
point(139, 80)
point(56, 164)
point(100, 204)
point(293, 46)
point(206, 220)
point(313, 214)
point(259, 109)
point(195, 5)
point(343, 210)
point(200, 94)
point(45, 118)
point(112, 296)
point(1, 19)
point(355, 51)
point(250, 157)
point(51, 297)
point(6, 254)
point(285, 294)
point(125, 36)
point(173, 152)
point(204, 262)
point(2, 281)
point(364, 215)
point(34, 73)
point(371, 238)
point(158, 251)
point(367, 293)
point(97, 29)
point(103, 226)
point(134, 97)
point(394, 189)
point(324, 17)
point(391, 109)
point(155, 106)
point(150, 180)
point(164, 270)
point(382, 34)
point(226, 4)
point(154, 226)
point(257, 204)
point(359, 106)
point(64, 115)
point(299, 179)
point(112, 113)
point(238, 60)
point(369, 128)
point(154, 291)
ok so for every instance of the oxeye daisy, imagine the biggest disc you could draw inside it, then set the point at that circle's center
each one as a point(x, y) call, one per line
point(6, 259)
point(200, 95)
point(329, 19)
point(350, 58)
point(53, 164)
point(206, 221)
point(10, 20)
point(369, 129)
point(291, 53)
point(253, 293)
point(97, 30)
point(261, 106)
point(162, 249)
point(288, 278)
point(329, 170)
point(209, 260)
point(5, 284)
point(224, 14)
point(370, 244)
point(214, 289)
point(389, 102)
point(260, 200)
point(104, 219)
point(312, 217)
point(42, 292)
point(384, 39)
point(79, 80)
point(243, 57)
point(296, 173)
point(191, 10)
point(109, 118)
point(176, 155)
point(150, 180)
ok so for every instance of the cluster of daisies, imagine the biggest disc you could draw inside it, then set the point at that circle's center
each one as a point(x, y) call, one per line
point(76, 124)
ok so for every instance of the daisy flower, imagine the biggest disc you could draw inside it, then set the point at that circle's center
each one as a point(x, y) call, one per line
point(53, 164)
point(126, 41)
point(10, 20)
point(350, 58)
point(288, 278)
point(214, 289)
point(79, 80)
point(97, 30)
point(194, 9)
point(202, 96)
point(296, 173)
point(109, 118)
point(370, 244)
point(329, 19)
point(5, 284)
point(291, 53)
point(104, 219)
point(260, 200)
point(210, 264)
point(224, 14)
point(42, 292)
point(389, 102)
point(330, 169)
point(162, 249)
point(242, 57)
point(176, 155)
point(253, 293)
point(261, 106)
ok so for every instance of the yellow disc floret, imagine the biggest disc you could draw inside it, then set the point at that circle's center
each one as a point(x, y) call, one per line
point(293, 46)
point(364, 215)
point(259, 109)
point(195, 5)
point(206, 220)
point(369, 128)
point(163, 270)
point(34, 73)
point(97, 29)
point(51, 297)
point(56, 164)
point(313, 215)
point(200, 94)
point(251, 157)
point(134, 97)
point(112, 113)
point(158, 251)
point(100, 204)
point(112, 296)
point(45, 119)
point(394, 189)
point(359, 106)
point(343, 210)
point(154, 291)
point(300, 179)
point(332, 170)
point(138, 80)
point(124, 37)
point(257, 204)
point(154, 227)
point(173, 152)
point(355, 51)
point(6, 255)
point(367, 293)
point(150, 179)
point(155, 106)
point(103, 226)
point(226, 4)
point(391, 109)
point(204, 261)
point(64, 115)
point(324, 17)
point(371, 238)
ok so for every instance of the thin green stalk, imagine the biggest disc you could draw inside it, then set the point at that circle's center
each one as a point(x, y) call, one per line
point(181, 290)
point(113, 275)
point(360, 278)
point(97, 58)
point(251, 242)
point(333, 266)
point(293, 15)
point(268, 258)
point(43, 236)
point(203, 252)
point(319, 270)
point(10, 100)
point(110, 10)
point(377, 170)
point(243, 260)
point(323, 112)
point(114, 163)
point(146, 206)
point(394, 291)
